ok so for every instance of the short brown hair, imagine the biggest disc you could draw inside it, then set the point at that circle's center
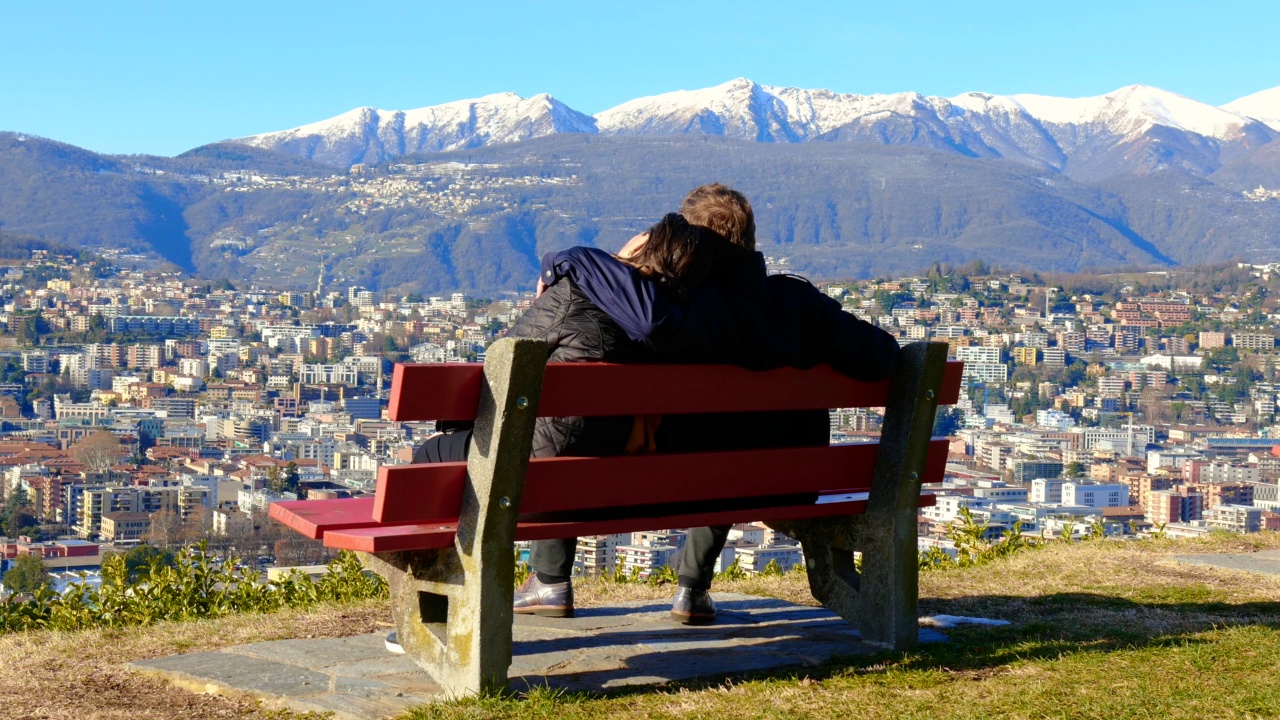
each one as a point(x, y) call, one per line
point(676, 253)
point(722, 210)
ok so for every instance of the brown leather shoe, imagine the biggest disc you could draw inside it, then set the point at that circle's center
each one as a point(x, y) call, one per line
point(693, 607)
point(545, 599)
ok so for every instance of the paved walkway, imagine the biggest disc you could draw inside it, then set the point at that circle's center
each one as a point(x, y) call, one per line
point(1267, 561)
point(629, 644)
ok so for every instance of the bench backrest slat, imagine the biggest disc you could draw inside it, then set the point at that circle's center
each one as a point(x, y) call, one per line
point(433, 492)
point(452, 391)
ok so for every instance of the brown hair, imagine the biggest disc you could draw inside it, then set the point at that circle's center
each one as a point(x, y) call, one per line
point(724, 211)
point(675, 254)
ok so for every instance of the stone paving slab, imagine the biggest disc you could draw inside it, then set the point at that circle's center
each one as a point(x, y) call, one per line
point(624, 645)
point(1266, 561)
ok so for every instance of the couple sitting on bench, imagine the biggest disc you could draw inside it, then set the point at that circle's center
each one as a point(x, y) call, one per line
point(692, 289)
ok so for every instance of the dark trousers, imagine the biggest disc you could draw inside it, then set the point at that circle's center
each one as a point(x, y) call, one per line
point(554, 558)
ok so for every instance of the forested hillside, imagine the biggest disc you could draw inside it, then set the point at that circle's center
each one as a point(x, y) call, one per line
point(479, 219)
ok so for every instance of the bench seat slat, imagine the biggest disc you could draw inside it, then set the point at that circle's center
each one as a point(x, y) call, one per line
point(429, 493)
point(315, 517)
point(388, 538)
point(451, 391)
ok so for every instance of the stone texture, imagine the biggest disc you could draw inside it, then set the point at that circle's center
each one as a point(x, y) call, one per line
point(881, 597)
point(1266, 562)
point(453, 605)
point(625, 645)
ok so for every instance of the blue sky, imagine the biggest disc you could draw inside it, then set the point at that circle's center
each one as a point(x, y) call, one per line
point(163, 77)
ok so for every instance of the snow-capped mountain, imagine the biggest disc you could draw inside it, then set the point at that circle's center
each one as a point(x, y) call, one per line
point(1137, 126)
point(1133, 110)
point(370, 135)
point(738, 109)
point(1039, 129)
point(1263, 106)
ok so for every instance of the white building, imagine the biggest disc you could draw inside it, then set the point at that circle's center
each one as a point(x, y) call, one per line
point(754, 559)
point(598, 553)
point(1055, 419)
point(947, 507)
point(1137, 437)
point(319, 374)
point(645, 559)
point(1046, 491)
point(1095, 495)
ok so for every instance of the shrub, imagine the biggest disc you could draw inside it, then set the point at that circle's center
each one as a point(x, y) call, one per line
point(194, 586)
point(773, 569)
point(972, 545)
point(27, 575)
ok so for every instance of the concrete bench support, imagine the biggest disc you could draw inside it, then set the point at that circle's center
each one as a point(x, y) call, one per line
point(881, 599)
point(453, 606)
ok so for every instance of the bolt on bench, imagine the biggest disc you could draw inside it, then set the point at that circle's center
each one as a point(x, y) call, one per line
point(442, 534)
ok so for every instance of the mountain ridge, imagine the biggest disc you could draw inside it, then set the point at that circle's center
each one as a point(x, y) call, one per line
point(1032, 128)
point(468, 195)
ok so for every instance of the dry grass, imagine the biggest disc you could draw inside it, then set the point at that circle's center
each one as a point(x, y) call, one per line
point(1101, 630)
point(80, 675)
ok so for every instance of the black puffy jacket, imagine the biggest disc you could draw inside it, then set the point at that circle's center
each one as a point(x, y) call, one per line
point(576, 330)
point(741, 316)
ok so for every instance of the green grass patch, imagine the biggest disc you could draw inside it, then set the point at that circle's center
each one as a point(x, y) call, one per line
point(1226, 673)
point(1099, 630)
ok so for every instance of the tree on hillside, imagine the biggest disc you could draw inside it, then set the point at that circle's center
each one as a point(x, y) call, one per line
point(197, 525)
point(17, 518)
point(27, 575)
point(166, 529)
point(98, 452)
point(140, 560)
point(282, 481)
point(948, 421)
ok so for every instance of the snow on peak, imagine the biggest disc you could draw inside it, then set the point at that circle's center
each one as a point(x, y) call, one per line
point(745, 109)
point(1004, 125)
point(985, 103)
point(1134, 109)
point(1262, 106)
point(369, 134)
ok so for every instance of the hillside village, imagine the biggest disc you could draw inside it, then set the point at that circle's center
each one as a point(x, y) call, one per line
point(147, 407)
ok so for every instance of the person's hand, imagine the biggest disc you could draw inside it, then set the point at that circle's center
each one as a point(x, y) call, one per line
point(633, 245)
point(542, 287)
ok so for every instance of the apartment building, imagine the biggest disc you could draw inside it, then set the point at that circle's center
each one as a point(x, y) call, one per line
point(125, 526)
point(1242, 519)
point(1095, 495)
point(1253, 341)
point(645, 559)
point(598, 554)
point(754, 559)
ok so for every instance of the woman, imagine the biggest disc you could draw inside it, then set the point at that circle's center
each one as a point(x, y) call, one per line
point(676, 255)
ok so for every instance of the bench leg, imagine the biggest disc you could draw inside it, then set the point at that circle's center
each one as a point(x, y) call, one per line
point(443, 616)
point(453, 606)
point(879, 595)
point(881, 598)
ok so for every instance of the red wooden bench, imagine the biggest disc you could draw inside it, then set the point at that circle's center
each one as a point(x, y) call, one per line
point(442, 533)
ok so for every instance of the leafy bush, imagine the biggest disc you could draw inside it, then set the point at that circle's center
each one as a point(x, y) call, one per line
point(973, 547)
point(195, 586)
point(27, 575)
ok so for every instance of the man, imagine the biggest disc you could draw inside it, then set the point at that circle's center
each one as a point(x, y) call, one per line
point(743, 317)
